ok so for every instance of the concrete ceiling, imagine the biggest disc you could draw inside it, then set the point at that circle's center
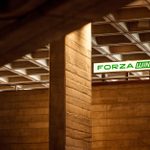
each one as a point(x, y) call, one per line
point(125, 33)
point(122, 36)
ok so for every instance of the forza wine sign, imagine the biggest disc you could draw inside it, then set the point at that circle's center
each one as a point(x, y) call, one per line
point(121, 66)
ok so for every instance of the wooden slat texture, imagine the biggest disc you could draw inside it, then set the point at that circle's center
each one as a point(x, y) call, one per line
point(120, 117)
point(24, 119)
point(78, 89)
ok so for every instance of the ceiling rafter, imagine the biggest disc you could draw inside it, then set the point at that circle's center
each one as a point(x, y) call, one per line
point(40, 63)
point(33, 67)
point(124, 53)
point(105, 51)
point(22, 73)
point(134, 38)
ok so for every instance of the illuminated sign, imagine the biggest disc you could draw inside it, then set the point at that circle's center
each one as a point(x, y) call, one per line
point(121, 66)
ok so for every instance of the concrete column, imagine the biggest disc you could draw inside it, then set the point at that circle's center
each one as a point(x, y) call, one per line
point(70, 91)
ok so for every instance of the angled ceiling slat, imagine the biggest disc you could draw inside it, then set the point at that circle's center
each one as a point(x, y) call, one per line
point(109, 44)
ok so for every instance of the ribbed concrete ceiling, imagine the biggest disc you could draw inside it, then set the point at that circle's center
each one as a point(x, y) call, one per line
point(123, 35)
point(26, 73)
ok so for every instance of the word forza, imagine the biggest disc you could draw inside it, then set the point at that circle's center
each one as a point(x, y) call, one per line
point(121, 66)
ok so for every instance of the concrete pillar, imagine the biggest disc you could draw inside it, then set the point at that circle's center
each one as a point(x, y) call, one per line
point(70, 91)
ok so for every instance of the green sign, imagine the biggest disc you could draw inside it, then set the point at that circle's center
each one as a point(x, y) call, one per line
point(121, 66)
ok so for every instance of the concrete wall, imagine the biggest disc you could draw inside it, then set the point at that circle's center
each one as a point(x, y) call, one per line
point(24, 117)
point(121, 117)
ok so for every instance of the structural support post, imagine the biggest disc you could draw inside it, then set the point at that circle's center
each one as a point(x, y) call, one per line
point(70, 91)
point(57, 95)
